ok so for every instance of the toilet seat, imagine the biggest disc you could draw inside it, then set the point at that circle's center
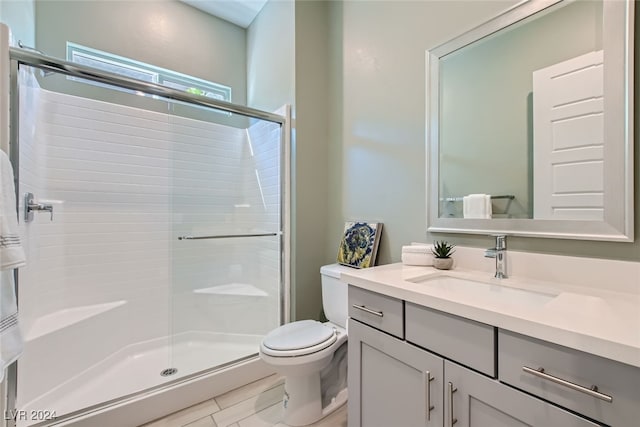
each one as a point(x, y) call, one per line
point(298, 339)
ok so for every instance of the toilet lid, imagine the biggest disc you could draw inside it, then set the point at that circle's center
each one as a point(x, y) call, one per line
point(298, 335)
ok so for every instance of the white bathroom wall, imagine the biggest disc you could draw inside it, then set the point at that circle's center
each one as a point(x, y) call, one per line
point(105, 169)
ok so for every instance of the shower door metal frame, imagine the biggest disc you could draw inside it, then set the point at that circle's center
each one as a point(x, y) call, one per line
point(36, 59)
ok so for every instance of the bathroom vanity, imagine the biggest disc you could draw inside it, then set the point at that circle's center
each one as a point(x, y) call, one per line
point(557, 344)
point(428, 348)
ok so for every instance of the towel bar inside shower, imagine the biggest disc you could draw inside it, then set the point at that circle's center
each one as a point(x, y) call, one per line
point(228, 236)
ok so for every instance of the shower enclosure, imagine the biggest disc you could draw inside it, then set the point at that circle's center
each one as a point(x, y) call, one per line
point(155, 229)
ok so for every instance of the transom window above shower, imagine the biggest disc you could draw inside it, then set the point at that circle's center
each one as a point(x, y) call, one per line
point(141, 71)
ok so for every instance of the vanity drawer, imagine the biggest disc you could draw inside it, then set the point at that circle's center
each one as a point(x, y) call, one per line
point(465, 341)
point(377, 310)
point(566, 370)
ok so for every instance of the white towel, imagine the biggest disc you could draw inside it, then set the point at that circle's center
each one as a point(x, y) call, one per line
point(11, 251)
point(417, 254)
point(477, 206)
point(11, 256)
point(11, 343)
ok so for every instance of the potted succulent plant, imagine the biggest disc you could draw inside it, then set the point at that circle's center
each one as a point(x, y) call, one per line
point(442, 252)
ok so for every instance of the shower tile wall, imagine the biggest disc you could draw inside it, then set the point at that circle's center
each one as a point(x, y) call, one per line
point(108, 272)
point(248, 202)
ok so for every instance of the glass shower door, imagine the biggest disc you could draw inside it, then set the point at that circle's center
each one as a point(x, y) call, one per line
point(94, 297)
point(225, 290)
point(164, 257)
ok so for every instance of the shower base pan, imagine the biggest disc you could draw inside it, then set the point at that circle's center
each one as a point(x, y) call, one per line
point(150, 365)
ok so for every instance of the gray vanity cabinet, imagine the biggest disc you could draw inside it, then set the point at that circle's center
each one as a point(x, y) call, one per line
point(391, 382)
point(472, 399)
point(412, 366)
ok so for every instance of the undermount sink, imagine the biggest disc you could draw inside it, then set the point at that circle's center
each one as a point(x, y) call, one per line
point(476, 290)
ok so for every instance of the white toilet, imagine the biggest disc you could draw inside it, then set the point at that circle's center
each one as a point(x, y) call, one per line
point(312, 355)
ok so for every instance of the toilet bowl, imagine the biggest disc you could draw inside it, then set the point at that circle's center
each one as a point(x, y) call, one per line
point(312, 356)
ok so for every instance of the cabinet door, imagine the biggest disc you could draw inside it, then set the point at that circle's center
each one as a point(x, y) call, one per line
point(479, 401)
point(392, 383)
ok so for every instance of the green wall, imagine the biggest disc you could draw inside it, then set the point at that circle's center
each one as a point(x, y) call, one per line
point(311, 201)
point(167, 34)
point(288, 52)
point(377, 146)
point(19, 15)
point(271, 57)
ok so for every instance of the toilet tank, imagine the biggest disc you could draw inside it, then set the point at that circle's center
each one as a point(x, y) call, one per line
point(334, 294)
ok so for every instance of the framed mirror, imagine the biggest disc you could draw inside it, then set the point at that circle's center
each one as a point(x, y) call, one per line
point(530, 123)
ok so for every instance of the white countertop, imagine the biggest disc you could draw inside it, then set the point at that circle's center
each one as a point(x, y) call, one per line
point(599, 322)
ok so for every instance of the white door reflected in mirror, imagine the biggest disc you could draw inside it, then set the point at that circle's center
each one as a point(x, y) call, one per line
point(568, 139)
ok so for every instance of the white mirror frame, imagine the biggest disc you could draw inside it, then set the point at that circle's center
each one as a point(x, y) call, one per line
point(618, 38)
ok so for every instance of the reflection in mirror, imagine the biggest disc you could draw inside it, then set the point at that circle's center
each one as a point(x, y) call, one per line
point(488, 141)
point(517, 129)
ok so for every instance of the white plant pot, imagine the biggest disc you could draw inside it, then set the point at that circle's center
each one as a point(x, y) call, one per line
point(443, 263)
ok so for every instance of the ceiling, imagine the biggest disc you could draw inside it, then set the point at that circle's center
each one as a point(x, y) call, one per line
point(239, 12)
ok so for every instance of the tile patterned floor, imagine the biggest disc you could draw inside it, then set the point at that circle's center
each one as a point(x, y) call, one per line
point(257, 404)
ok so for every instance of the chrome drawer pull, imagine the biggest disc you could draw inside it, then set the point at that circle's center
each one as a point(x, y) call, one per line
point(368, 310)
point(593, 391)
point(451, 390)
point(427, 378)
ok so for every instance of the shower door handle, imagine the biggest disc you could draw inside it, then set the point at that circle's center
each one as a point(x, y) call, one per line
point(30, 206)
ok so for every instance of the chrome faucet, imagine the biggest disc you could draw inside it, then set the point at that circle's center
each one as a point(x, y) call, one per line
point(500, 254)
